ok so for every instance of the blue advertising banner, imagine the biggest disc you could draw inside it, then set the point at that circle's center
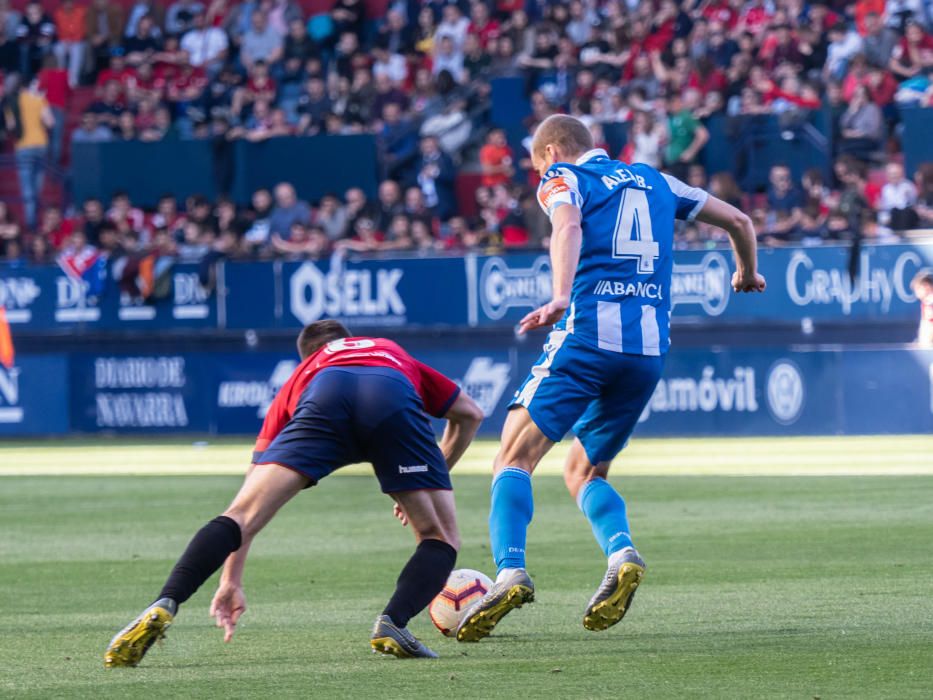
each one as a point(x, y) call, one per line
point(802, 283)
point(772, 391)
point(34, 396)
point(503, 289)
point(244, 386)
point(252, 295)
point(473, 291)
point(363, 293)
point(246, 383)
point(41, 298)
point(792, 392)
point(376, 293)
point(151, 394)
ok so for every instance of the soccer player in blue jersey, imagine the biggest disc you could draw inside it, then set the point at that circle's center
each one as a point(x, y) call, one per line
point(612, 260)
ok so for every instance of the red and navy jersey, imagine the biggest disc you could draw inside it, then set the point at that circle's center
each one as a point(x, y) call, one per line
point(437, 392)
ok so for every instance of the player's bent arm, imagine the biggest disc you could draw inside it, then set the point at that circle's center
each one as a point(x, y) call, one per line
point(463, 420)
point(566, 239)
point(741, 232)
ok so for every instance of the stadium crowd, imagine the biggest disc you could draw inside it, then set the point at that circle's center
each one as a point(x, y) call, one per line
point(418, 79)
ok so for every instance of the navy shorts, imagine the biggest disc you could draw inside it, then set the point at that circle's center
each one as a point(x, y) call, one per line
point(349, 415)
point(597, 394)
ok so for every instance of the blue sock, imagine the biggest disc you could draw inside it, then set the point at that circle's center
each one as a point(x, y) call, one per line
point(604, 508)
point(511, 511)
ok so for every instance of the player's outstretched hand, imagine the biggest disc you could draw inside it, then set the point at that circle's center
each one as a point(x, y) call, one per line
point(227, 606)
point(547, 315)
point(748, 283)
point(400, 514)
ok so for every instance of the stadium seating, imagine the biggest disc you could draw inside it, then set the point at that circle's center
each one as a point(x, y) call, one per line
point(753, 93)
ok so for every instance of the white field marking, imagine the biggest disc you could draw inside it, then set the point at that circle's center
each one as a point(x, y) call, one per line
point(819, 456)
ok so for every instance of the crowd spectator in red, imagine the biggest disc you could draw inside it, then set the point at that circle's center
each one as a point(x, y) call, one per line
point(484, 27)
point(53, 82)
point(54, 227)
point(496, 159)
point(117, 71)
point(913, 55)
point(71, 27)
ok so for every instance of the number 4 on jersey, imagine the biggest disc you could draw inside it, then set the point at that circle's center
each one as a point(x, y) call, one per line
point(632, 238)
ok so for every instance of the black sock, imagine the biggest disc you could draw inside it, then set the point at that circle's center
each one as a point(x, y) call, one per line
point(422, 578)
point(206, 553)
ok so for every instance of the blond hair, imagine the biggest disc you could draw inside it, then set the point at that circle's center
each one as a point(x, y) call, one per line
point(568, 133)
point(924, 276)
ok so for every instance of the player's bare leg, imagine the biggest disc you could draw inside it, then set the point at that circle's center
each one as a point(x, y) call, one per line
point(523, 447)
point(601, 504)
point(523, 444)
point(266, 489)
point(578, 471)
point(431, 514)
point(433, 519)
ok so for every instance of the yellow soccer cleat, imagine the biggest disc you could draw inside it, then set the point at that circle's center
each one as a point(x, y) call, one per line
point(614, 597)
point(506, 595)
point(392, 640)
point(131, 643)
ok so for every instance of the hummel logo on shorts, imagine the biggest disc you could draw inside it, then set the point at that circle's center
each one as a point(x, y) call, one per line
point(412, 470)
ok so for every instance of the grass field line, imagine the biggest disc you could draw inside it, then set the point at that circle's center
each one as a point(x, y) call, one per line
point(800, 456)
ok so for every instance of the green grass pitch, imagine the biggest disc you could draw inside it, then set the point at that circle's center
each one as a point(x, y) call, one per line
point(812, 580)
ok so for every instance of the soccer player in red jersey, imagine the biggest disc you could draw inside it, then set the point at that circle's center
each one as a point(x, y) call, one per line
point(350, 400)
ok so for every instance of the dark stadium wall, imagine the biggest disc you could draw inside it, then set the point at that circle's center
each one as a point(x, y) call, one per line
point(315, 165)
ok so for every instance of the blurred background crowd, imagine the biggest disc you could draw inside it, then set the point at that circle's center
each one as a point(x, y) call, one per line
point(416, 74)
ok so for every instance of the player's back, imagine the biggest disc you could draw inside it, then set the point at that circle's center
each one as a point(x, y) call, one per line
point(621, 293)
point(434, 392)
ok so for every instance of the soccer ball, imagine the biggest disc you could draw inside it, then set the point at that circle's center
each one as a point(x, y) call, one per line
point(464, 587)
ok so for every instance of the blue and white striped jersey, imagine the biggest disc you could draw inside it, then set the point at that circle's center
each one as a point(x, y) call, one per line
point(620, 299)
